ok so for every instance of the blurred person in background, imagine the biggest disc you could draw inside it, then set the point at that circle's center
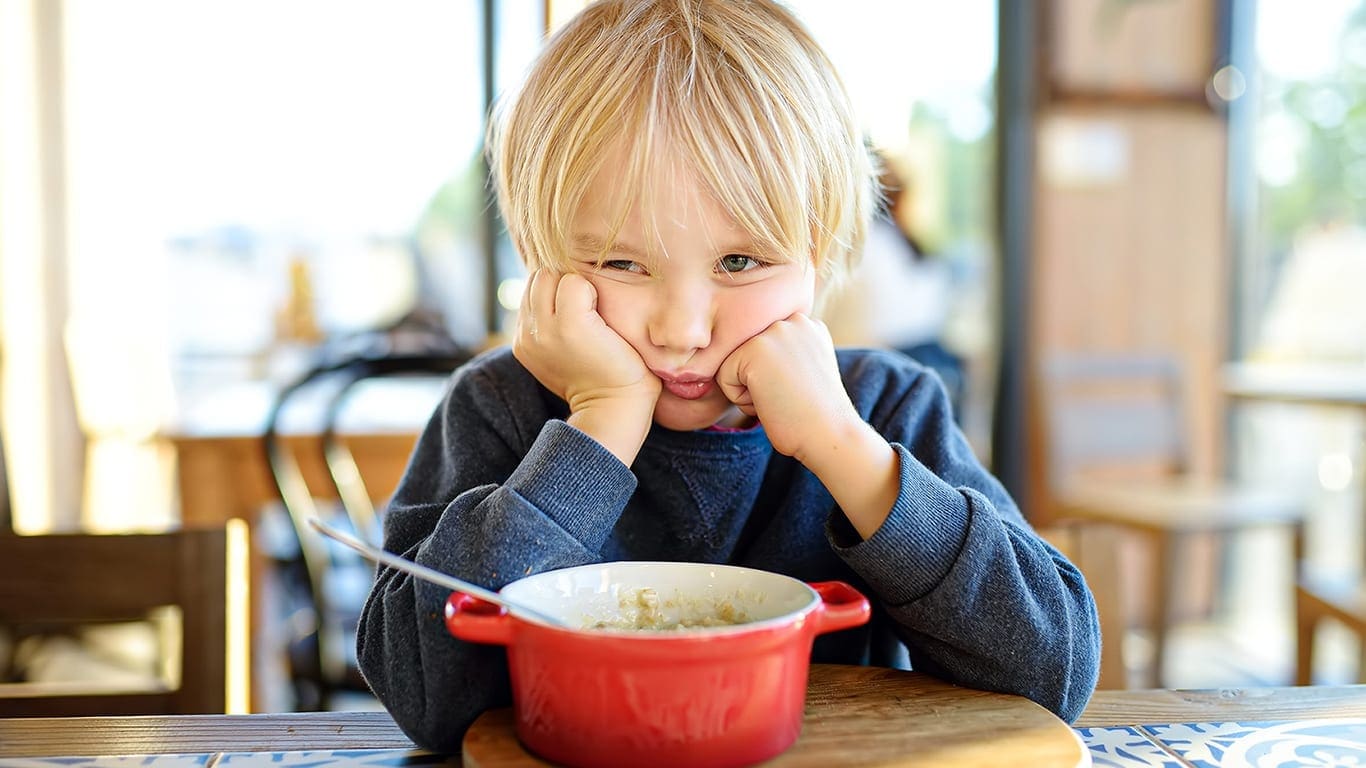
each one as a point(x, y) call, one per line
point(900, 296)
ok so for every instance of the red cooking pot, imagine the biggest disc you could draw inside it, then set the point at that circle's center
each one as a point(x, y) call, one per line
point(662, 664)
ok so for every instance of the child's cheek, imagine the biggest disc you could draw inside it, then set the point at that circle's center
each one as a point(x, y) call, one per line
point(615, 309)
point(752, 317)
point(793, 295)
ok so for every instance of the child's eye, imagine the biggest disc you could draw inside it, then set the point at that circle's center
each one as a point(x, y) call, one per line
point(735, 262)
point(622, 265)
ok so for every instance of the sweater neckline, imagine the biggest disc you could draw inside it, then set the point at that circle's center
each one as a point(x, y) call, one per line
point(711, 439)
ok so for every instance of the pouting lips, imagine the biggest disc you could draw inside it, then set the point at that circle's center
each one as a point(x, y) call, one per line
point(689, 390)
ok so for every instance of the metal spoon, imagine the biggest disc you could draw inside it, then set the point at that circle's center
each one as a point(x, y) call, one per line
point(434, 576)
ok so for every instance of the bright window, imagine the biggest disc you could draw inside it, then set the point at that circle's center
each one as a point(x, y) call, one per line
point(1300, 272)
point(247, 178)
point(213, 144)
point(922, 77)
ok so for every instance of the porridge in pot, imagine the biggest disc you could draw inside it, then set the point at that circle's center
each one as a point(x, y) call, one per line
point(643, 609)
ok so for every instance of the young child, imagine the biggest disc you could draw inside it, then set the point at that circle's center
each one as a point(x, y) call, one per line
point(683, 179)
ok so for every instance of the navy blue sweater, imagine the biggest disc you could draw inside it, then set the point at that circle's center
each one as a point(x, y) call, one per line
point(499, 486)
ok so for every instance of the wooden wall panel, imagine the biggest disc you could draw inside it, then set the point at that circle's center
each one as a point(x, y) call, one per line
point(1140, 51)
point(1130, 249)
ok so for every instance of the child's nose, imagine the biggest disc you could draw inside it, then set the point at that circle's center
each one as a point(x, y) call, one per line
point(681, 320)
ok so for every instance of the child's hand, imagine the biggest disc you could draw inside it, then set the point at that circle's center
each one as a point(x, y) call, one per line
point(787, 377)
point(563, 341)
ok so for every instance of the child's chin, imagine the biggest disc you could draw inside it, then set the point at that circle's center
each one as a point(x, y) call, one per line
point(688, 415)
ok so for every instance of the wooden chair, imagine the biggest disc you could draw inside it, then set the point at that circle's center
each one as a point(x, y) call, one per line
point(329, 583)
point(1117, 450)
point(59, 581)
point(1319, 597)
point(341, 465)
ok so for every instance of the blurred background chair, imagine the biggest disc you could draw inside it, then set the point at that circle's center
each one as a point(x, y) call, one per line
point(1320, 596)
point(1330, 585)
point(323, 585)
point(341, 465)
point(1117, 448)
point(62, 583)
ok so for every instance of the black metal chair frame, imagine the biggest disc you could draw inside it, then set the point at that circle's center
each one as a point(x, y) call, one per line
point(328, 670)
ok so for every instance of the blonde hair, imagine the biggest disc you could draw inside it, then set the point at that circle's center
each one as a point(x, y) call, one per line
point(738, 88)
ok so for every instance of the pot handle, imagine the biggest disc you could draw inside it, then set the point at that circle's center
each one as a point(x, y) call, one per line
point(841, 607)
point(477, 621)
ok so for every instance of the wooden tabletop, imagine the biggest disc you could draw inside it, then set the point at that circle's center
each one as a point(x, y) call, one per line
point(1308, 383)
point(1215, 705)
point(872, 716)
point(853, 714)
point(197, 734)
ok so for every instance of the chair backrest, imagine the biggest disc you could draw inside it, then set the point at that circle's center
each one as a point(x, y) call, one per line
point(1113, 413)
point(339, 380)
point(79, 579)
point(341, 377)
point(341, 465)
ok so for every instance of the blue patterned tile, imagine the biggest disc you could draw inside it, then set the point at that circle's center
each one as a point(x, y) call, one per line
point(1124, 747)
point(1331, 743)
point(339, 758)
point(1201, 744)
point(108, 761)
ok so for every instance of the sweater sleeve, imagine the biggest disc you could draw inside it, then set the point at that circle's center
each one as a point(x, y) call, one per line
point(977, 596)
point(493, 491)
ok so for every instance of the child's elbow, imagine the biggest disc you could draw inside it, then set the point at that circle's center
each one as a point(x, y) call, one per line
point(1073, 703)
point(440, 735)
point(1084, 672)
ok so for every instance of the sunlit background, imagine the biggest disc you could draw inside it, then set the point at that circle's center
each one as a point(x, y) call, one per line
point(224, 154)
point(239, 181)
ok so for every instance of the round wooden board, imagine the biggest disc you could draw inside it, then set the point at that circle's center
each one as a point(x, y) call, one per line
point(872, 716)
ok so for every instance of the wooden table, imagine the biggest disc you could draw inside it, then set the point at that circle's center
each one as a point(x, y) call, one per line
point(1341, 387)
point(855, 716)
point(1312, 384)
point(1232, 728)
point(221, 466)
point(1335, 592)
point(872, 716)
point(1166, 705)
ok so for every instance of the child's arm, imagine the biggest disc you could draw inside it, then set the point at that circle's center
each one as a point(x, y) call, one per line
point(977, 596)
point(565, 344)
point(498, 486)
point(787, 376)
point(502, 484)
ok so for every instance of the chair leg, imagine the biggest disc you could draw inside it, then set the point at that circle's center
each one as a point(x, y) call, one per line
point(1306, 620)
point(1100, 554)
point(1304, 646)
point(1160, 581)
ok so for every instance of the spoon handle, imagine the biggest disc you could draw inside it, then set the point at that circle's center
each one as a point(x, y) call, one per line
point(428, 574)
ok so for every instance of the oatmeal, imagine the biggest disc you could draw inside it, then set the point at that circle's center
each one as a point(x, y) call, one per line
point(644, 610)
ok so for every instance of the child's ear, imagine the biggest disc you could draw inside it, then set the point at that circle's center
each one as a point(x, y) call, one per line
point(829, 284)
point(826, 282)
point(818, 301)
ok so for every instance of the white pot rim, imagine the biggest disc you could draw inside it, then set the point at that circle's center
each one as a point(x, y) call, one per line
point(587, 594)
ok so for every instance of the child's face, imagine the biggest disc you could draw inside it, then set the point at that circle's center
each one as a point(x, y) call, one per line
point(686, 289)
